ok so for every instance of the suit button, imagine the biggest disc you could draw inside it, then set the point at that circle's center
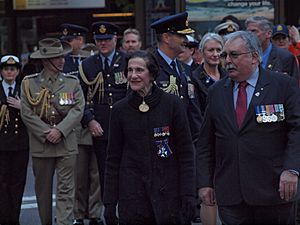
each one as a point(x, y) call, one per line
point(52, 96)
point(5, 132)
point(16, 132)
point(181, 85)
point(107, 75)
point(110, 106)
point(110, 94)
point(109, 85)
point(16, 119)
point(181, 97)
point(16, 126)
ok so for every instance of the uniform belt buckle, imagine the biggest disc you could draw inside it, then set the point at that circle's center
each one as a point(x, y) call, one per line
point(109, 100)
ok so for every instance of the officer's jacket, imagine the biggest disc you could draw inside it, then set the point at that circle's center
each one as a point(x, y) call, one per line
point(173, 84)
point(70, 66)
point(61, 105)
point(13, 133)
point(112, 88)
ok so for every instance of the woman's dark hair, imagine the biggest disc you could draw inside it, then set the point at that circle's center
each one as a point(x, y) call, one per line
point(150, 60)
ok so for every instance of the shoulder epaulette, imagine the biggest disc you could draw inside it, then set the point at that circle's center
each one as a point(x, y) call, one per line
point(31, 76)
point(69, 75)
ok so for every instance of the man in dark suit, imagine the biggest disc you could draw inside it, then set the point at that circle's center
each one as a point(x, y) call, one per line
point(249, 149)
point(273, 58)
point(14, 147)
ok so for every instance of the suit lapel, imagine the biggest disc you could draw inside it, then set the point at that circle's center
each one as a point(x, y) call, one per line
point(228, 97)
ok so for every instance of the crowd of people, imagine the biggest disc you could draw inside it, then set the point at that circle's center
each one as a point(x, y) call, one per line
point(169, 135)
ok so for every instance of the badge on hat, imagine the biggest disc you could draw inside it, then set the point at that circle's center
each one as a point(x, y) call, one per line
point(102, 29)
point(65, 32)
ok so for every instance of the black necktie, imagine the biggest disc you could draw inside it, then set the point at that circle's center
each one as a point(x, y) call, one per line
point(106, 65)
point(10, 92)
point(173, 64)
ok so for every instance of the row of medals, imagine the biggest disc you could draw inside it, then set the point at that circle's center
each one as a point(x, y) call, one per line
point(66, 99)
point(268, 118)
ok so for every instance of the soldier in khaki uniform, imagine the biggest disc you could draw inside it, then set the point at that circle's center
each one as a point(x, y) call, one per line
point(52, 106)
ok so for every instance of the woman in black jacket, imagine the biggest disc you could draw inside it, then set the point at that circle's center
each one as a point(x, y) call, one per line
point(210, 70)
point(150, 160)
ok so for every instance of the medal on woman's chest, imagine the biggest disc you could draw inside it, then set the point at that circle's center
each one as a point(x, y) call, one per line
point(144, 107)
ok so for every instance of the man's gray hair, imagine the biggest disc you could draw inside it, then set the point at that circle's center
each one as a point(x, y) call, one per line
point(251, 41)
point(263, 22)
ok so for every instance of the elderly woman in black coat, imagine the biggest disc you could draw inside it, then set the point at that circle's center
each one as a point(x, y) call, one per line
point(150, 161)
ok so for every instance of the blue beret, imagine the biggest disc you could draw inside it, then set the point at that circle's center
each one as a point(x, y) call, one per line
point(280, 29)
point(72, 30)
point(104, 30)
point(177, 24)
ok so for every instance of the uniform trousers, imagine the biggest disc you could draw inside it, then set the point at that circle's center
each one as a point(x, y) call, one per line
point(13, 170)
point(87, 186)
point(100, 147)
point(43, 170)
point(244, 214)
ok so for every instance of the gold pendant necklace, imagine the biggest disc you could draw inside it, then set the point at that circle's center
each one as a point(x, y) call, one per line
point(144, 107)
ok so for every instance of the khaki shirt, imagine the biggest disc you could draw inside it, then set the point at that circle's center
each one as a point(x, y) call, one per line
point(62, 108)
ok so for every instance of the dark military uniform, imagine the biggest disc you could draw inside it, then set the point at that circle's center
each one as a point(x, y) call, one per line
point(103, 84)
point(112, 88)
point(14, 154)
point(178, 80)
point(183, 87)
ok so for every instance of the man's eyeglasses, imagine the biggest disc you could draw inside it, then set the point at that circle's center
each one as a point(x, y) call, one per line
point(233, 55)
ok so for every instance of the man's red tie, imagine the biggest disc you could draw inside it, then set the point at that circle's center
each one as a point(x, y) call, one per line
point(241, 103)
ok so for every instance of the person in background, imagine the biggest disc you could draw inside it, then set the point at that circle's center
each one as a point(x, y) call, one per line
point(287, 38)
point(87, 187)
point(227, 25)
point(210, 71)
point(273, 58)
point(131, 40)
point(248, 152)
point(52, 106)
point(75, 36)
point(294, 41)
point(190, 49)
point(14, 147)
point(103, 83)
point(150, 160)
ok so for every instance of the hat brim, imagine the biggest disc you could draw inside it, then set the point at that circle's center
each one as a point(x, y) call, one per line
point(103, 36)
point(67, 48)
point(282, 33)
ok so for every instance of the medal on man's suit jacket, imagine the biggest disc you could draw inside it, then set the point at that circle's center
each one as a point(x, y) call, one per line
point(144, 107)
